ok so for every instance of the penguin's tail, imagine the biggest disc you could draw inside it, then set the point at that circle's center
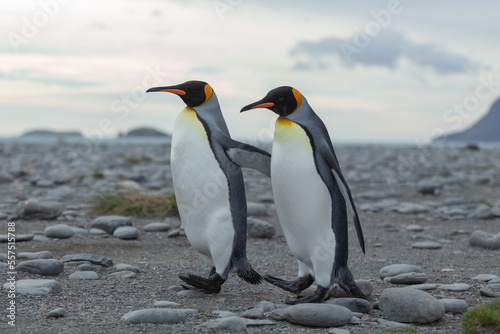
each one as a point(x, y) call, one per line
point(246, 272)
point(346, 281)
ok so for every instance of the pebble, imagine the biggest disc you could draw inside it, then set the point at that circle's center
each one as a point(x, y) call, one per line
point(353, 304)
point(258, 322)
point(19, 237)
point(364, 285)
point(35, 255)
point(110, 223)
point(77, 275)
point(175, 288)
point(92, 258)
point(395, 324)
point(126, 233)
point(482, 212)
point(253, 313)
point(428, 286)
point(61, 231)
point(257, 228)
point(407, 278)
point(410, 305)
point(44, 267)
point(174, 233)
point(154, 316)
point(123, 274)
point(411, 208)
point(454, 306)
point(414, 228)
point(192, 293)
point(128, 185)
point(125, 267)
point(165, 303)
point(56, 313)
point(266, 305)
point(85, 267)
point(487, 292)
point(35, 287)
point(157, 227)
point(224, 314)
point(79, 230)
point(484, 239)
point(397, 269)
point(231, 324)
point(59, 194)
point(35, 209)
point(257, 209)
point(485, 277)
point(97, 231)
point(318, 315)
point(455, 287)
point(6, 178)
point(428, 187)
point(426, 245)
point(338, 331)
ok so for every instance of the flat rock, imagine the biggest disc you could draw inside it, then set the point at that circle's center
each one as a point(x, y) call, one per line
point(84, 275)
point(224, 314)
point(485, 240)
point(258, 322)
point(125, 267)
point(97, 231)
point(410, 305)
point(253, 313)
point(85, 267)
point(154, 316)
point(408, 278)
point(487, 292)
point(388, 323)
point(6, 178)
point(256, 209)
point(61, 231)
point(19, 237)
point(45, 267)
point(354, 304)
point(92, 258)
point(128, 185)
point(397, 269)
point(426, 245)
point(56, 313)
point(414, 228)
point(318, 315)
point(35, 209)
point(257, 228)
point(485, 277)
point(411, 208)
point(454, 306)
point(454, 287)
point(123, 274)
point(364, 285)
point(126, 233)
point(35, 287)
point(35, 255)
point(428, 187)
point(231, 324)
point(110, 223)
point(157, 227)
point(192, 293)
point(427, 286)
point(165, 303)
point(266, 305)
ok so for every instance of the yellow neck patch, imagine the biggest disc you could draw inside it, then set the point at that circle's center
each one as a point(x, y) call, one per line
point(284, 121)
point(298, 97)
point(208, 92)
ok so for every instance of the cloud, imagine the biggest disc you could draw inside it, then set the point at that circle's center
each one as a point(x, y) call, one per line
point(384, 50)
point(29, 75)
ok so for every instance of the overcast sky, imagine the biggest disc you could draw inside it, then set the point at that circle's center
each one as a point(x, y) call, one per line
point(375, 71)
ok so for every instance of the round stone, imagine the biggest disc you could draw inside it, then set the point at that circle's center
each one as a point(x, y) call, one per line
point(126, 233)
point(61, 231)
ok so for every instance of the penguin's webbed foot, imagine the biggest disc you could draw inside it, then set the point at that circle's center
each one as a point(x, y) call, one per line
point(250, 276)
point(208, 285)
point(296, 286)
point(318, 297)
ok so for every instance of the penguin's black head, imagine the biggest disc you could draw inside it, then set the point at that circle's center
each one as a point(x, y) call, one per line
point(283, 101)
point(193, 93)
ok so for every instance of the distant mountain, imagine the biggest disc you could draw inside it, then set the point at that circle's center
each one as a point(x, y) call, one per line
point(52, 133)
point(145, 132)
point(486, 129)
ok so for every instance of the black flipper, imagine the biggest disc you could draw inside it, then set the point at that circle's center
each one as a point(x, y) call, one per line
point(211, 284)
point(318, 297)
point(247, 156)
point(296, 286)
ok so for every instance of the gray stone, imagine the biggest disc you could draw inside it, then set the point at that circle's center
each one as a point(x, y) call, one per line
point(484, 239)
point(128, 185)
point(125, 267)
point(353, 304)
point(485, 277)
point(258, 322)
point(426, 245)
point(175, 288)
point(338, 331)
point(394, 324)
point(410, 305)
point(257, 228)
point(85, 267)
point(414, 228)
point(77, 275)
point(191, 293)
point(157, 227)
point(45, 267)
point(256, 209)
point(364, 285)
point(19, 237)
point(487, 292)
point(44, 183)
point(455, 287)
point(79, 230)
point(266, 305)
point(97, 231)
point(35, 255)
point(110, 223)
point(411, 208)
point(92, 258)
point(318, 315)
point(174, 233)
point(123, 274)
point(454, 306)
point(397, 269)
point(165, 303)
point(253, 313)
point(482, 212)
point(231, 324)
point(34, 209)
point(126, 233)
point(428, 187)
point(59, 194)
point(56, 313)
point(6, 178)
point(277, 314)
point(154, 316)
point(224, 314)
point(35, 287)
point(408, 278)
point(61, 231)
point(423, 286)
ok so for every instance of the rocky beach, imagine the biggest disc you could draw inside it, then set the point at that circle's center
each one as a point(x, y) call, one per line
point(430, 216)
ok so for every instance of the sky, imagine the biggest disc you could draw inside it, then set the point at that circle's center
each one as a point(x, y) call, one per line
point(374, 71)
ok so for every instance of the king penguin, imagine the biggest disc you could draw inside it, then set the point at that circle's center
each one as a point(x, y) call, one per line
point(311, 195)
point(208, 185)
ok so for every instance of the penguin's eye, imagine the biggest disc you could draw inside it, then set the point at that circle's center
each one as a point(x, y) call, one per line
point(281, 99)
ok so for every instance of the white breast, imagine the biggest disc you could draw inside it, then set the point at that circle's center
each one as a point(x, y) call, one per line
point(200, 187)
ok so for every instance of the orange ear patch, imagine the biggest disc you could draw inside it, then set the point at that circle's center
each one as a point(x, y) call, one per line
point(298, 97)
point(208, 92)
